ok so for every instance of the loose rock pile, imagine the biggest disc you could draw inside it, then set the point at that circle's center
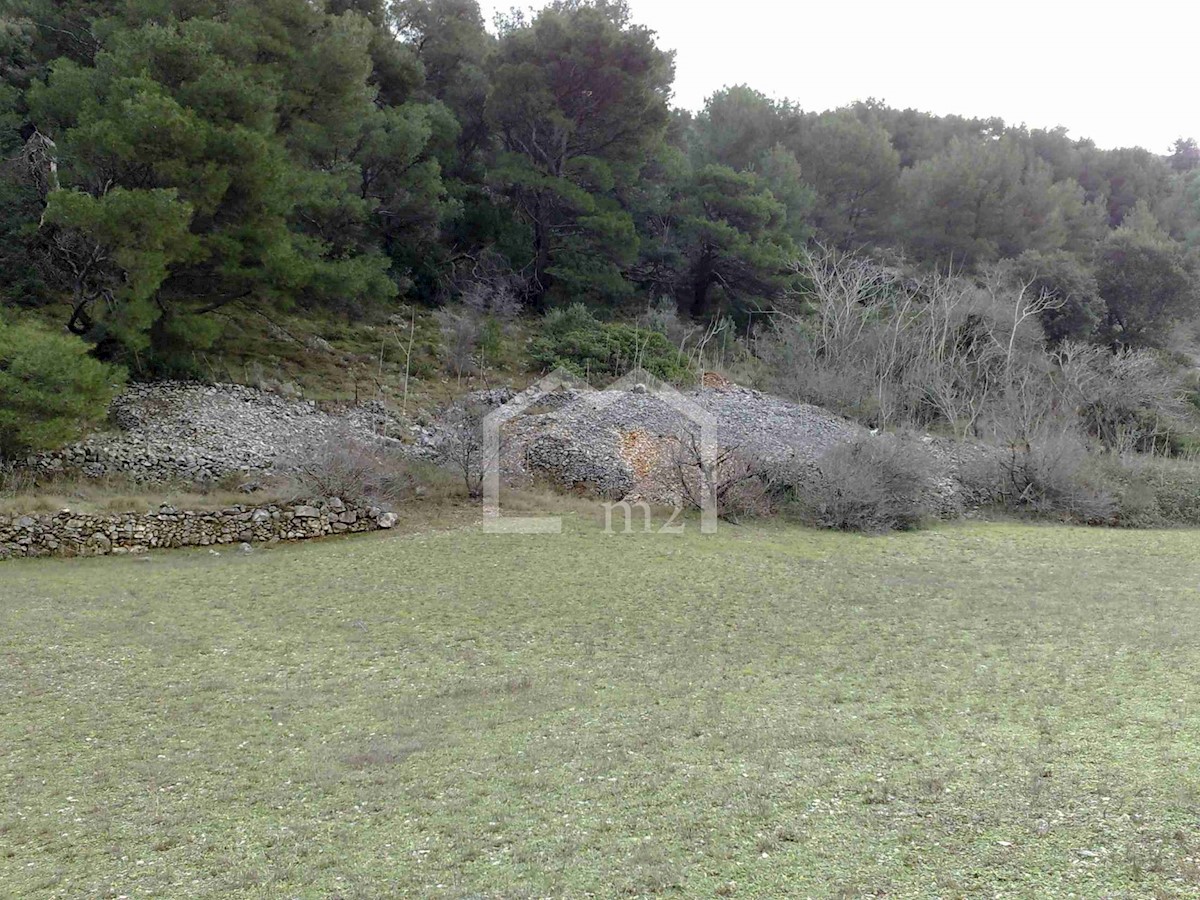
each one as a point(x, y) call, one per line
point(618, 443)
point(194, 433)
point(629, 444)
point(774, 429)
point(74, 534)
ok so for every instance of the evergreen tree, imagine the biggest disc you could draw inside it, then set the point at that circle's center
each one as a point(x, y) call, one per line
point(51, 391)
point(579, 101)
point(1146, 281)
point(854, 169)
point(241, 130)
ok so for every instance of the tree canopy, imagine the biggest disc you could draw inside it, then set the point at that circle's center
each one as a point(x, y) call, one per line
point(165, 159)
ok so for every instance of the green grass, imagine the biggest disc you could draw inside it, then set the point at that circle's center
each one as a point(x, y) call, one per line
point(975, 711)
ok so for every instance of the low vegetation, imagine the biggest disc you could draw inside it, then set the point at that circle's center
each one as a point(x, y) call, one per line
point(574, 340)
point(869, 485)
point(359, 473)
point(51, 390)
point(21, 494)
point(767, 712)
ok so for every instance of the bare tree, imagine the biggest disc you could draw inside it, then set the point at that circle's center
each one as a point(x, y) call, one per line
point(843, 289)
point(355, 471)
point(461, 446)
point(901, 351)
point(741, 485)
point(39, 161)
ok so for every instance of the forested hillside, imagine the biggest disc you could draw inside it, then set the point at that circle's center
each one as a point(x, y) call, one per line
point(165, 160)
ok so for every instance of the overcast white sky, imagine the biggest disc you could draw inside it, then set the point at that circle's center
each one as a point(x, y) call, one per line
point(1119, 73)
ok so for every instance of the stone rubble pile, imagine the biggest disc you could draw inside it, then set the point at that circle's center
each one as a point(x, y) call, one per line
point(627, 444)
point(195, 433)
point(614, 443)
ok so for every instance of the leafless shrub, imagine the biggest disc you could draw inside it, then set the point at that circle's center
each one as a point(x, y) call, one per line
point(461, 447)
point(461, 331)
point(800, 372)
point(1156, 491)
point(742, 486)
point(1130, 400)
point(1051, 475)
point(488, 286)
point(491, 298)
point(15, 479)
point(1029, 402)
point(356, 472)
point(895, 351)
point(873, 485)
point(715, 347)
point(663, 317)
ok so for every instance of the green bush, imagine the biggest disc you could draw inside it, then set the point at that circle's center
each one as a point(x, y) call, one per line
point(563, 319)
point(50, 389)
point(573, 340)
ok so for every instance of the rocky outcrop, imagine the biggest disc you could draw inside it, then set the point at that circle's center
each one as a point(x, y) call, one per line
point(69, 533)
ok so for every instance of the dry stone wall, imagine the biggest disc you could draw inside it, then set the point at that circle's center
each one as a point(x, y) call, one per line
point(69, 533)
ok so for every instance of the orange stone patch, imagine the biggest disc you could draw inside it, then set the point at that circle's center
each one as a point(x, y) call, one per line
point(641, 451)
point(714, 381)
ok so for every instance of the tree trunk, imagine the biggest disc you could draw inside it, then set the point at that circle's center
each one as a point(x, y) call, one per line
point(542, 279)
point(702, 281)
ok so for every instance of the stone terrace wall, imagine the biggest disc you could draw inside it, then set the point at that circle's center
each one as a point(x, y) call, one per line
point(75, 534)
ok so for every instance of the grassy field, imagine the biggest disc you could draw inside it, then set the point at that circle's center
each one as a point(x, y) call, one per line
point(974, 711)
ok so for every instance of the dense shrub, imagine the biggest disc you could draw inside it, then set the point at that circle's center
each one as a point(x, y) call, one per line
point(358, 473)
point(1052, 475)
point(573, 340)
point(966, 355)
point(1175, 486)
point(51, 391)
point(892, 351)
point(873, 485)
point(1152, 492)
point(1130, 400)
point(1058, 476)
